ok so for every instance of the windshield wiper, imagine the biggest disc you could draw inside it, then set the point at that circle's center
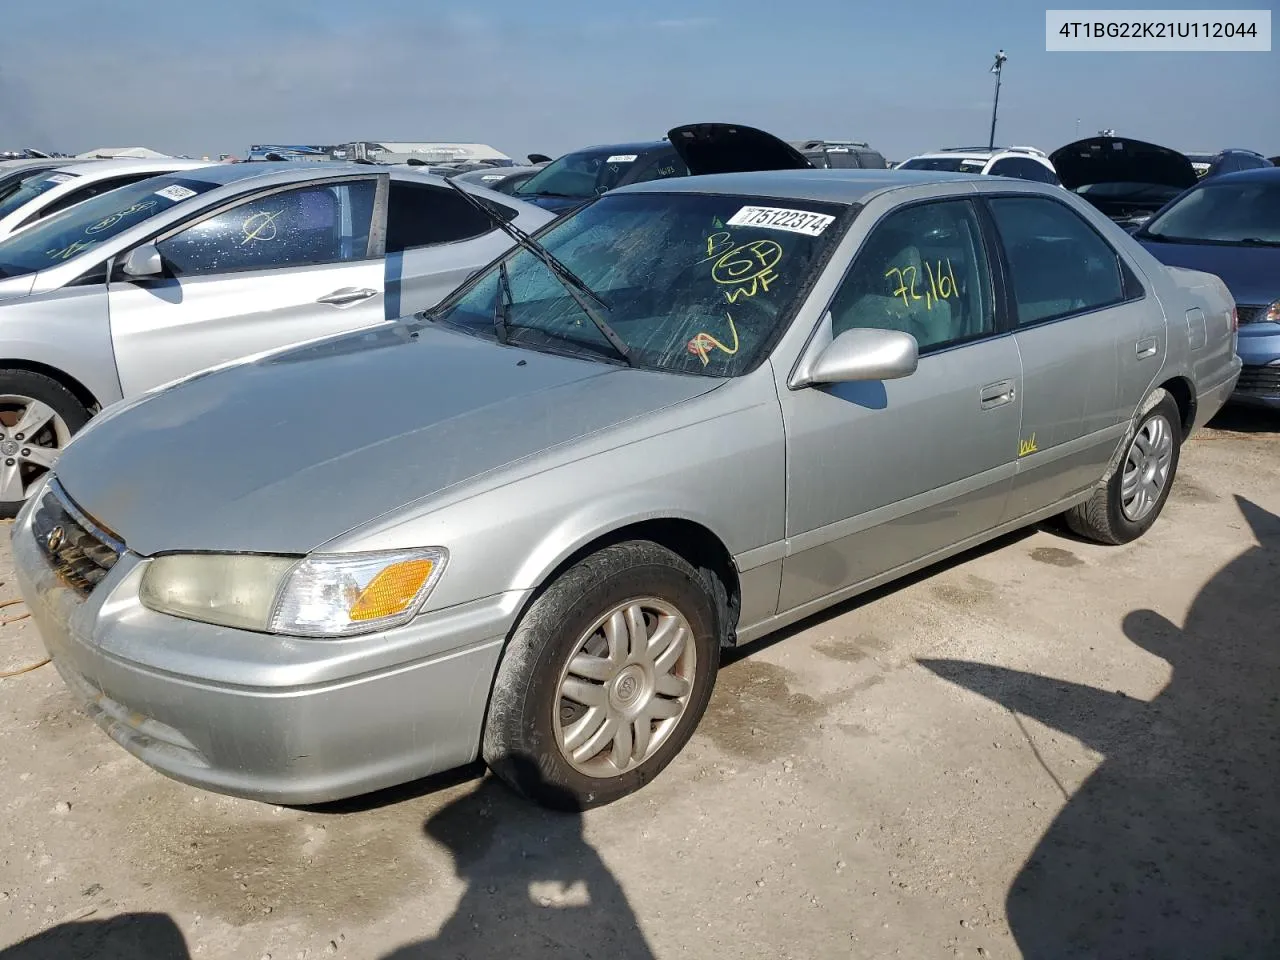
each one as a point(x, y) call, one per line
point(502, 303)
point(572, 283)
point(1259, 242)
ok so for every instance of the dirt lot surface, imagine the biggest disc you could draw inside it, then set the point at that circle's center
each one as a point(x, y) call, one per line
point(1046, 749)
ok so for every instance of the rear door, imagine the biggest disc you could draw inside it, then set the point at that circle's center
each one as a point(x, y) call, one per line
point(1083, 324)
point(272, 269)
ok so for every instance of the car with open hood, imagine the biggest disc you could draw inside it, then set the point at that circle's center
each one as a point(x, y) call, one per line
point(1229, 225)
point(1126, 179)
point(693, 149)
point(165, 276)
point(523, 525)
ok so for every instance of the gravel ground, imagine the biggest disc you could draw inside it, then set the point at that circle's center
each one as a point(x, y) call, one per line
point(1045, 749)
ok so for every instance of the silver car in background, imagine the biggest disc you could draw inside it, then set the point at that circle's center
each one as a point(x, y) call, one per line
point(164, 277)
point(524, 525)
point(44, 192)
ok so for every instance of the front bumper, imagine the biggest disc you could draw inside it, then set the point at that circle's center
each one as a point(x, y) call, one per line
point(270, 718)
point(1259, 347)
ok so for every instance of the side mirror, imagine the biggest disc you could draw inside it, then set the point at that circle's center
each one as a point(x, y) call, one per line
point(862, 354)
point(143, 262)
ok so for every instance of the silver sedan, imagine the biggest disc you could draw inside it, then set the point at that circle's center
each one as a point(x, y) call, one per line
point(524, 525)
point(163, 277)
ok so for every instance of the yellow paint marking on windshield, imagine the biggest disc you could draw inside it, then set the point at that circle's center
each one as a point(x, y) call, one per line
point(110, 221)
point(257, 225)
point(717, 244)
point(747, 268)
point(703, 343)
point(69, 251)
point(1026, 447)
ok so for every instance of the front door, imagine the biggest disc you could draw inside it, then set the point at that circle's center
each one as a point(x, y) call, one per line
point(273, 270)
point(880, 474)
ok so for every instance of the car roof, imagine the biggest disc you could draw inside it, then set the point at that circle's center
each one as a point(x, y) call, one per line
point(638, 146)
point(836, 186)
point(108, 168)
point(1255, 173)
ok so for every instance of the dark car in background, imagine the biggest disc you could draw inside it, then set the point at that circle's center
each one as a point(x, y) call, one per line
point(692, 149)
point(502, 179)
point(1234, 160)
point(841, 154)
point(1126, 179)
point(1229, 225)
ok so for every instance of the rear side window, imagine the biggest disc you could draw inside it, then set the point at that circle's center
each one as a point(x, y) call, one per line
point(310, 225)
point(1060, 265)
point(423, 215)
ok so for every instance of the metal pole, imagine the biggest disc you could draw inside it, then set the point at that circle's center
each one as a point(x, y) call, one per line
point(996, 69)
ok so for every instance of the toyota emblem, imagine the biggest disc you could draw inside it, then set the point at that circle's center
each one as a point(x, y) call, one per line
point(56, 536)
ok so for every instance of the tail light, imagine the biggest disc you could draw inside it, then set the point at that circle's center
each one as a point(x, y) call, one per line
point(1235, 319)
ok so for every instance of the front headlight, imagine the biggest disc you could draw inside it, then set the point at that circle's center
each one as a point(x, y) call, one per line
point(325, 595)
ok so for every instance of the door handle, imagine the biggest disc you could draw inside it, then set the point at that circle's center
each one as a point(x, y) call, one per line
point(345, 295)
point(1146, 348)
point(996, 394)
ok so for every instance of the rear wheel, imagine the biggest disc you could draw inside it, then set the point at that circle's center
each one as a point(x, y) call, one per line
point(38, 417)
point(605, 678)
point(1125, 507)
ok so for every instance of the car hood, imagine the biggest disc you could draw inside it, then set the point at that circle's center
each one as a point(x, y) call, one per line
point(284, 452)
point(1252, 274)
point(13, 287)
point(732, 148)
point(1121, 160)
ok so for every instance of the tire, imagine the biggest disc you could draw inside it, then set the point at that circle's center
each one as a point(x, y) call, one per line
point(1106, 517)
point(66, 415)
point(550, 747)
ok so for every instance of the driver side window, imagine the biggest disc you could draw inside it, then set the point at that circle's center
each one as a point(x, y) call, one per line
point(311, 225)
point(922, 270)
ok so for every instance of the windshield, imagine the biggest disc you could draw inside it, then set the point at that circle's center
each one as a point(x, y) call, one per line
point(694, 284)
point(62, 236)
point(581, 175)
point(948, 164)
point(28, 188)
point(1223, 211)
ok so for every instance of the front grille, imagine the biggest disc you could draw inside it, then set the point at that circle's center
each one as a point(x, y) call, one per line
point(1249, 314)
point(79, 551)
point(1260, 381)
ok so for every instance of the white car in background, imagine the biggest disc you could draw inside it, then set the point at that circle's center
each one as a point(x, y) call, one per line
point(195, 268)
point(1025, 163)
point(45, 191)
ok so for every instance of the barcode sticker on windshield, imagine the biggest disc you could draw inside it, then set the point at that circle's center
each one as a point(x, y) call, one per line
point(59, 178)
point(779, 218)
point(175, 193)
point(622, 158)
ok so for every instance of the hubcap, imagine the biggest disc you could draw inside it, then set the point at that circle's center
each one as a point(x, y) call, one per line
point(31, 437)
point(1146, 468)
point(625, 687)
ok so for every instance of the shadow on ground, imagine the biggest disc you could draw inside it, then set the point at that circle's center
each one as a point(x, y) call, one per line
point(1172, 847)
point(534, 888)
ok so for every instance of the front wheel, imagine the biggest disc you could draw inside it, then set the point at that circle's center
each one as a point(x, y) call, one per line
point(38, 417)
point(605, 678)
point(1125, 507)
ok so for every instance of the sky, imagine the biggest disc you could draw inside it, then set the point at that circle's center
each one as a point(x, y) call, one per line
point(908, 76)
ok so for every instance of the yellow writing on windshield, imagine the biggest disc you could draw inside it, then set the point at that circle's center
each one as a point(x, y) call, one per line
point(70, 250)
point(941, 283)
point(748, 268)
point(259, 226)
point(703, 343)
point(110, 221)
